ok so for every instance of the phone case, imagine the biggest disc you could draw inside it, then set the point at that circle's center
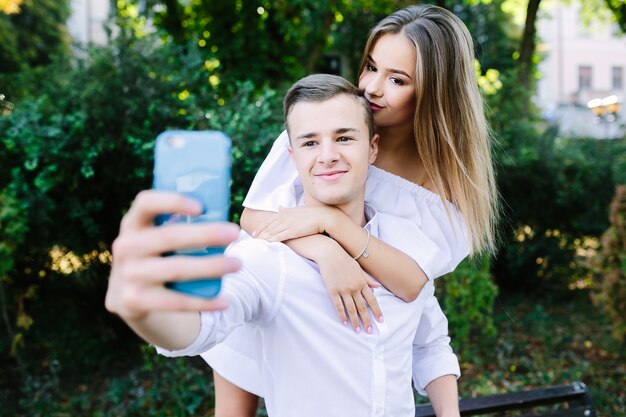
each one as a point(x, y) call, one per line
point(197, 164)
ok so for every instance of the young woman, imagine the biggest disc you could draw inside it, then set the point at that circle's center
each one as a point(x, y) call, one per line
point(434, 169)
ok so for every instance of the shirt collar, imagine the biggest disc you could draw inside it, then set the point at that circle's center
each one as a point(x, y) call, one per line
point(372, 220)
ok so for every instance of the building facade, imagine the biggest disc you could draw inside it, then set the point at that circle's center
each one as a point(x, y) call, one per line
point(583, 65)
point(86, 23)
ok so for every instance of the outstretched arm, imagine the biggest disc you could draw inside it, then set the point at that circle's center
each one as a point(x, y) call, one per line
point(136, 290)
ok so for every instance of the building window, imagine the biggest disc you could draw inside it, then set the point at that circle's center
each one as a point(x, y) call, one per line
point(618, 78)
point(584, 77)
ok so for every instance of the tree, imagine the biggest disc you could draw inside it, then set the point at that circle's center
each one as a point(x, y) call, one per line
point(618, 8)
point(528, 44)
point(282, 40)
point(30, 35)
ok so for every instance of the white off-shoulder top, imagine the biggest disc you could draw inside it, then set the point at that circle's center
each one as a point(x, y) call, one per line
point(433, 234)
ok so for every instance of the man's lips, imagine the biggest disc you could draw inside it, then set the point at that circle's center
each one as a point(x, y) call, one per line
point(375, 107)
point(330, 175)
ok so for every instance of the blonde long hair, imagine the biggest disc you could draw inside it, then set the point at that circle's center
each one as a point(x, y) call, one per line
point(451, 132)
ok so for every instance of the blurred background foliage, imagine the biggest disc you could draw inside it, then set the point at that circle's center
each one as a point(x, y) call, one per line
point(76, 137)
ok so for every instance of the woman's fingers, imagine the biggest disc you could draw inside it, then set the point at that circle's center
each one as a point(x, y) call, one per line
point(340, 309)
point(351, 309)
point(357, 306)
point(368, 295)
point(361, 307)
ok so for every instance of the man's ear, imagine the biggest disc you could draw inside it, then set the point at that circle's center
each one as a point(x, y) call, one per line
point(374, 148)
point(290, 150)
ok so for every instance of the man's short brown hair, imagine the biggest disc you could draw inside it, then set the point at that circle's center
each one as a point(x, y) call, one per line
point(322, 87)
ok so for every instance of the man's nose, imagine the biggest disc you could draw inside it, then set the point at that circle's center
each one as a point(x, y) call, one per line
point(328, 153)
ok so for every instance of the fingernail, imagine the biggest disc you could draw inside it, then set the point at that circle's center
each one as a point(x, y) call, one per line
point(254, 233)
point(345, 323)
point(381, 319)
point(358, 330)
point(369, 330)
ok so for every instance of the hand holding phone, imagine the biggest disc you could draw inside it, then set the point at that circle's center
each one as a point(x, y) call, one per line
point(196, 164)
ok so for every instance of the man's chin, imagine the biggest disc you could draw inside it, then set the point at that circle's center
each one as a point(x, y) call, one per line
point(333, 199)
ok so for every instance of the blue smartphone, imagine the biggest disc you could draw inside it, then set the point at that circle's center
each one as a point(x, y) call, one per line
point(197, 164)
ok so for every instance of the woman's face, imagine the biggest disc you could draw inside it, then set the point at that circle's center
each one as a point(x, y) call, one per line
point(388, 80)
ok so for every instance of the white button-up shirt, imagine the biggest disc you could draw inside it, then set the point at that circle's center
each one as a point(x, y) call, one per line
point(312, 365)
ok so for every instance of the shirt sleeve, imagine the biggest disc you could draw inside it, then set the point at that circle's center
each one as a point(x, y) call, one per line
point(275, 182)
point(429, 230)
point(252, 293)
point(407, 237)
point(432, 354)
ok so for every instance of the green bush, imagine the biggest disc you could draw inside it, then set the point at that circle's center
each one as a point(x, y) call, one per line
point(556, 198)
point(610, 267)
point(73, 153)
point(467, 296)
point(555, 194)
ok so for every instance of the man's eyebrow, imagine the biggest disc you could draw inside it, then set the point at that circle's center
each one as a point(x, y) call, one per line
point(392, 70)
point(342, 130)
point(306, 136)
point(339, 131)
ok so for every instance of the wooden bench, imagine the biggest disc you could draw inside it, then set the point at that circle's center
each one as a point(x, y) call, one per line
point(573, 400)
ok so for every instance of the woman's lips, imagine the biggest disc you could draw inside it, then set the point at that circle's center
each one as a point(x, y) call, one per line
point(375, 107)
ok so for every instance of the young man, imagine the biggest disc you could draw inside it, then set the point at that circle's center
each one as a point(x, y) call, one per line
point(312, 365)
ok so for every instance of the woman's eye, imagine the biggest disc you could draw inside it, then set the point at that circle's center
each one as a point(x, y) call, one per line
point(397, 81)
point(370, 67)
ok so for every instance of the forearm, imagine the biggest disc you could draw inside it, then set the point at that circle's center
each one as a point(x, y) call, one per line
point(252, 219)
point(444, 396)
point(397, 271)
point(169, 330)
point(313, 247)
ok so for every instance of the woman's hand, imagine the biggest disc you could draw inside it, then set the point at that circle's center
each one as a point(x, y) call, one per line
point(293, 223)
point(139, 272)
point(349, 287)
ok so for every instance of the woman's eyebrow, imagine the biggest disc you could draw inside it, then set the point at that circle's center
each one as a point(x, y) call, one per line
point(392, 70)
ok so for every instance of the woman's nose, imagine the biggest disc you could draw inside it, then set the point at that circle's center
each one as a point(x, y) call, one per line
point(373, 85)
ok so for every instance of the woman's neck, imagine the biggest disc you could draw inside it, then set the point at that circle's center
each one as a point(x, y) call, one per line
point(397, 153)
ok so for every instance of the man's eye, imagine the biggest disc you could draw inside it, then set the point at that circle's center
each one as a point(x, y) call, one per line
point(308, 144)
point(343, 139)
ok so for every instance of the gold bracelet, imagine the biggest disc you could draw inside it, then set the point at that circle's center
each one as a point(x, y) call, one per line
point(364, 251)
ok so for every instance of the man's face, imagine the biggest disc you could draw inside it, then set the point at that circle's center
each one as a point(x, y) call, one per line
point(331, 149)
